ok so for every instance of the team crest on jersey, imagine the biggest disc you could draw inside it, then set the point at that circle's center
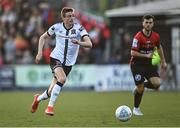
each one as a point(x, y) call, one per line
point(137, 77)
point(73, 31)
point(135, 42)
point(53, 28)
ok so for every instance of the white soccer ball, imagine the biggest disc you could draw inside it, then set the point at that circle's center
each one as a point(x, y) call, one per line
point(123, 113)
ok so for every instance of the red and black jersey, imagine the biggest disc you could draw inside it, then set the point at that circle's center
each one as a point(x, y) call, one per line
point(144, 45)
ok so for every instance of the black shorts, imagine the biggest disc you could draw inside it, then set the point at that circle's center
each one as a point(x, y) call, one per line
point(140, 73)
point(54, 63)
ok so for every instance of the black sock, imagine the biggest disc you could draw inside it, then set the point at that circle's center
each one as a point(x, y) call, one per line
point(137, 98)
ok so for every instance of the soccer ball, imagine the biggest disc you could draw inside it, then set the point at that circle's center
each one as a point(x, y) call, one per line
point(123, 113)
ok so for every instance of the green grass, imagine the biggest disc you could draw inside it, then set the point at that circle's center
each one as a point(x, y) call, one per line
point(90, 109)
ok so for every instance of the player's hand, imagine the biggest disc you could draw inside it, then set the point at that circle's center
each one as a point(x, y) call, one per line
point(38, 58)
point(74, 41)
point(163, 70)
point(164, 65)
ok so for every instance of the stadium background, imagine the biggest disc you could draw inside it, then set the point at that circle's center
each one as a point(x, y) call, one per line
point(101, 80)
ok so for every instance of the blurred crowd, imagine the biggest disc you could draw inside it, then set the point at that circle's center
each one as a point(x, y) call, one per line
point(22, 22)
point(20, 28)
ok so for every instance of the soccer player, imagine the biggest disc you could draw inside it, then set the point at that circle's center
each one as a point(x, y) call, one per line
point(144, 43)
point(69, 37)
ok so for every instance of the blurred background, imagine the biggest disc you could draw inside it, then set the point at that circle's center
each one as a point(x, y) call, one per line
point(111, 25)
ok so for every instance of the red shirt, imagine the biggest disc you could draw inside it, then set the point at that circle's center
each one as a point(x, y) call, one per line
point(144, 45)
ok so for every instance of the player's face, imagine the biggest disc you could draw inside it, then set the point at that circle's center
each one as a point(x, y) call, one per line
point(148, 24)
point(69, 18)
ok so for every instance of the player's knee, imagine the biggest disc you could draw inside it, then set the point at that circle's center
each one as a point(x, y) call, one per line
point(62, 80)
point(156, 84)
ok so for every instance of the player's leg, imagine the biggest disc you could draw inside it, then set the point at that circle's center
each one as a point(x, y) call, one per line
point(153, 79)
point(138, 93)
point(139, 89)
point(53, 82)
point(45, 95)
point(67, 70)
point(61, 78)
point(148, 85)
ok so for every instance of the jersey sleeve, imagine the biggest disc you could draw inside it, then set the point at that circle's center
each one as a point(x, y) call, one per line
point(83, 32)
point(135, 44)
point(51, 30)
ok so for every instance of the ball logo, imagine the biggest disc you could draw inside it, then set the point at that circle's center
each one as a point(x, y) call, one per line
point(138, 77)
point(123, 113)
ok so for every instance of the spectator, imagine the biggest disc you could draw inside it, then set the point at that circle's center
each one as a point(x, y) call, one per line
point(18, 19)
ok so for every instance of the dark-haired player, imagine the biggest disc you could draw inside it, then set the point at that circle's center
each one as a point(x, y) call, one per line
point(144, 43)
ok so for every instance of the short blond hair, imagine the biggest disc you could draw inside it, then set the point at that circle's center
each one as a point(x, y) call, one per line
point(66, 10)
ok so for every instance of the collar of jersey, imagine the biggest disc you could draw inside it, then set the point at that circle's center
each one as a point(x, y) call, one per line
point(69, 28)
point(146, 35)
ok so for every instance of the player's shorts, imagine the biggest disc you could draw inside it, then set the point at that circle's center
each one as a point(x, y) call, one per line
point(54, 63)
point(141, 73)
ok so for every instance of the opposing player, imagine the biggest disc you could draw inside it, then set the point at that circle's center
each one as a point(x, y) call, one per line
point(69, 37)
point(143, 45)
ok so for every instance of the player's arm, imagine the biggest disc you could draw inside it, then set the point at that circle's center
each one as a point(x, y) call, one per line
point(138, 54)
point(86, 42)
point(135, 49)
point(40, 46)
point(161, 54)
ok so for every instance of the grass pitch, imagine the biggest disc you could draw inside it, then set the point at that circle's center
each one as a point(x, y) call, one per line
point(90, 109)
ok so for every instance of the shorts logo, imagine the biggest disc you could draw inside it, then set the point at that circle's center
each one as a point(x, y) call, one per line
point(137, 77)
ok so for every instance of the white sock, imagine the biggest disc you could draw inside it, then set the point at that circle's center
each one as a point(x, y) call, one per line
point(54, 94)
point(43, 96)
